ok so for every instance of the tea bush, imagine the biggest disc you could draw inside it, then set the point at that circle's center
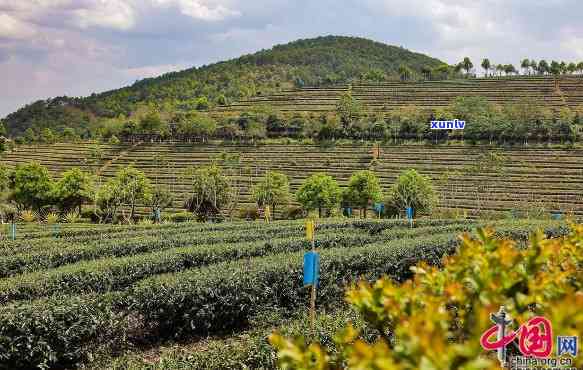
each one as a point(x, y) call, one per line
point(436, 319)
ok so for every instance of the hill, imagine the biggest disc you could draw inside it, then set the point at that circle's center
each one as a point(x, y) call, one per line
point(311, 62)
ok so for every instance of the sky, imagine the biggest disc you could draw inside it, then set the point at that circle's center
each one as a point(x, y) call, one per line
point(77, 47)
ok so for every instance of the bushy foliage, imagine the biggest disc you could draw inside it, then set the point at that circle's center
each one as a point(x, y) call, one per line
point(31, 186)
point(210, 191)
point(412, 190)
point(272, 190)
point(544, 279)
point(319, 191)
point(363, 189)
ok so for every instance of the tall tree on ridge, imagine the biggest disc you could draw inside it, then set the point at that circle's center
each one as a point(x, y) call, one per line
point(486, 65)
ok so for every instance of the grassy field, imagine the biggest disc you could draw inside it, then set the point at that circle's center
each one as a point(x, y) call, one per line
point(531, 181)
point(196, 295)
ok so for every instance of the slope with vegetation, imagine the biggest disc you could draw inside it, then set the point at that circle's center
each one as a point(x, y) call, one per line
point(310, 62)
point(472, 181)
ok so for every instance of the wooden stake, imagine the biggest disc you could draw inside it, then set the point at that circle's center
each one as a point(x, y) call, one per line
point(313, 299)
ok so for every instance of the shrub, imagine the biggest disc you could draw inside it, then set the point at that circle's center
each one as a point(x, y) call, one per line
point(294, 213)
point(180, 217)
point(72, 217)
point(55, 333)
point(249, 213)
point(544, 279)
point(52, 218)
point(28, 216)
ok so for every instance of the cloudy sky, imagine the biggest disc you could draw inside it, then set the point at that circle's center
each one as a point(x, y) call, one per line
point(76, 47)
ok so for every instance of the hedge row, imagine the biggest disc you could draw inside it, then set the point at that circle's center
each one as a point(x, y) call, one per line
point(56, 254)
point(110, 274)
point(57, 332)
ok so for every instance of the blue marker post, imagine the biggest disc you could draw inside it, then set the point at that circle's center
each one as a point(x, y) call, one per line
point(410, 215)
point(379, 208)
point(56, 230)
point(311, 270)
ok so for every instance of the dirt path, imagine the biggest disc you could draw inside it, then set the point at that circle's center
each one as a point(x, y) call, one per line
point(123, 153)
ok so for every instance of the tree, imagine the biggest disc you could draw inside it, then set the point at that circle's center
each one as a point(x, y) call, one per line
point(364, 188)
point(412, 190)
point(210, 191)
point(348, 108)
point(256, 130)
point(272, 190)
point(73, 189)
point(426, 71)
point(580, 67)
point(109, 200)
point(525, 65)
point(543, 67)
point(572, 68)
point(135, 187)
point(30, 136)
point(509, 69)
point(47, 136)
point(467, 65)
point(534, 66)
point(151, 123)
point(319, 191)
point(202, 103)
point(405, 73)
point(499, 69)
point(486, 65)
point(31, 186)
point(159, 199)
point(555, 68)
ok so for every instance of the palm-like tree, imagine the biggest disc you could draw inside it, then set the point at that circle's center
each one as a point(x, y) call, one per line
point(534, 66)
point(467, 65)
point(543, 67)
point(525, 65)
point(509, 69)
point(555, 68)
point(486, 65)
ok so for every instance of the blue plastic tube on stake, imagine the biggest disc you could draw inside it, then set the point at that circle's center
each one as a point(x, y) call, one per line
point(311, 268)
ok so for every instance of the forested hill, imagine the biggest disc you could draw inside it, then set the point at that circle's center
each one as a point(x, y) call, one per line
point(314, 62)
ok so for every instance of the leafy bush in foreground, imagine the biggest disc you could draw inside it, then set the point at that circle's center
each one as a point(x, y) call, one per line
point(545, 279)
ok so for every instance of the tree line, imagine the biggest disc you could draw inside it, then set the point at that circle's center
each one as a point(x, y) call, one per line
point(29, 193)
point(515, 122)
point(528, 67)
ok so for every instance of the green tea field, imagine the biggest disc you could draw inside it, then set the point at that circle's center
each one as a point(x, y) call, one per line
point(92, 293)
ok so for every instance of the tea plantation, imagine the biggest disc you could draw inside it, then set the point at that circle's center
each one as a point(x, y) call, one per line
point(86, 294)
point(524, 181)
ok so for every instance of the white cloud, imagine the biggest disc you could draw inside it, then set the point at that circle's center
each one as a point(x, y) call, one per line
point(115, 14)
point(199, 9)
point(14, 29)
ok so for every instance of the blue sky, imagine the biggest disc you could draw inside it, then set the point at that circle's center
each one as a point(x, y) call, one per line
point(76, 47)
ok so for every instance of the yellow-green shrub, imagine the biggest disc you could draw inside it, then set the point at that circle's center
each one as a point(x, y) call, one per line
point(435, 320)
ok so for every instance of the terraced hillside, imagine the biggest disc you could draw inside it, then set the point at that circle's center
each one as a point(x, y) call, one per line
point(564, 91)
point(530, 180)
